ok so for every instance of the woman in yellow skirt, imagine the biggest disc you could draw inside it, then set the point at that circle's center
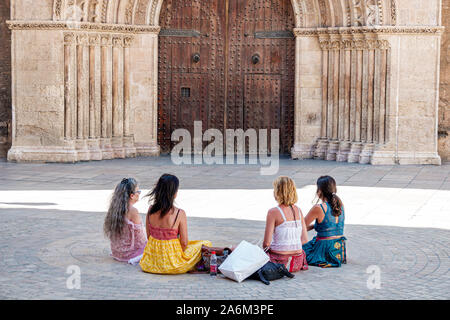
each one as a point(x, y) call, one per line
point(168, 250)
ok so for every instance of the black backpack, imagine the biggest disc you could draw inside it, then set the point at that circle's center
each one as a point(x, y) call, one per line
point(271, 271)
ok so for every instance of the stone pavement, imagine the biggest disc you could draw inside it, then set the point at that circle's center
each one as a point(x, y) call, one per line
point(51, 216)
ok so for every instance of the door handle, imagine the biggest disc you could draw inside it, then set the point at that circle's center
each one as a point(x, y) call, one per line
point(196, 57)
point(256, 58)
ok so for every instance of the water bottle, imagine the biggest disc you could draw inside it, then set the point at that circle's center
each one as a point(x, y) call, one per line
point(213, 264)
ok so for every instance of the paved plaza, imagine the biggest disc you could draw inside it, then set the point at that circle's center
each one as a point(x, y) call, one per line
point(51, 217)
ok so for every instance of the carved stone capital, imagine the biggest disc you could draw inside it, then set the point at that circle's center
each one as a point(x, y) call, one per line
point(106, 40)
point(94, 39)
point(128, 41)
point(118, 41)
point(82, 39)
point(69, 38)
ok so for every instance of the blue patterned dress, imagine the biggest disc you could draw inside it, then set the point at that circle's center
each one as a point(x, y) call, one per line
point(327, 249)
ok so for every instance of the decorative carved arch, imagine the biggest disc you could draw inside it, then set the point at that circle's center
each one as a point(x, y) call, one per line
point(308, 13)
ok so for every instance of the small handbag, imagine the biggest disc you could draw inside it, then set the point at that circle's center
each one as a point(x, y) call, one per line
point(271, 271)
point(221, 254)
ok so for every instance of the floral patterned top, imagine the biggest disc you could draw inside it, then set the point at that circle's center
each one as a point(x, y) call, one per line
point(132, 242)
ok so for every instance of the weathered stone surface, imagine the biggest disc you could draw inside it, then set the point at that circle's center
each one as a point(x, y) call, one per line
point(51, 217)
point(5, 79)
point(444, 101)
point(95, 79)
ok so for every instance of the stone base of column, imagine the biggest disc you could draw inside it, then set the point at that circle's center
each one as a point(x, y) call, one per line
point(94, 149)
point(143, 150)
point(117, 146)
point(355, 152)
point(82, 150)
point(302, 151)
point(42, 154)
point(383, 158)
point(128, 145)
point(366, 153)
point(419, 158)
point(344, 150)
point(107, 150)
point(333, 149)
point(321, 149)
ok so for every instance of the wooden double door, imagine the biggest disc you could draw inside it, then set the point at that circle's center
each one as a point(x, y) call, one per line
point(227, 63)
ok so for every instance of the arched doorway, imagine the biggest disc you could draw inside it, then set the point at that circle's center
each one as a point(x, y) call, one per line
point(229, 64)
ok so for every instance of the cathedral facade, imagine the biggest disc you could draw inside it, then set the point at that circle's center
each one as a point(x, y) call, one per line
point(361, 81)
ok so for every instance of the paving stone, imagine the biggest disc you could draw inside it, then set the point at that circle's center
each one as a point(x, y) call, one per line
point(395, 219)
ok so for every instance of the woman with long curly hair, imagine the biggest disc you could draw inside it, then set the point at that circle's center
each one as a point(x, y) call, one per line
point(168, 249)
point(123, 224)
point(328, 248)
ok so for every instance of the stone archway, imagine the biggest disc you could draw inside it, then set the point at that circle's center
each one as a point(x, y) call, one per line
point(351, 94)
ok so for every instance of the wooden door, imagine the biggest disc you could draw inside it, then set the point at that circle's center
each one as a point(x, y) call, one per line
point(227, 63)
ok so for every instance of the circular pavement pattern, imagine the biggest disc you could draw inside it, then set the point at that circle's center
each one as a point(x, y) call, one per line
point(37, 247)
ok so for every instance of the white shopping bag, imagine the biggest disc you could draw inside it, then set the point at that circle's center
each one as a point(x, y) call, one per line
point(243, 261)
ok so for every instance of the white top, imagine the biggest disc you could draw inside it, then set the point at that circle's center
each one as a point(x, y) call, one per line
point(287, 236)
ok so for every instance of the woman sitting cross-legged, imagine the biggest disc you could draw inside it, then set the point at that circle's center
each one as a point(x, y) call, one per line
point(123, 224)
point(285, 228)
point(327, 249)
point(168, 249)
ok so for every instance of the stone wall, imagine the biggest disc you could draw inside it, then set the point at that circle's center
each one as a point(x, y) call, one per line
point(444, 102)
point(5, 79)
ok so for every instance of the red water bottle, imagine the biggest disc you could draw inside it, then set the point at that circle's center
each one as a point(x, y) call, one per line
point(213, 264)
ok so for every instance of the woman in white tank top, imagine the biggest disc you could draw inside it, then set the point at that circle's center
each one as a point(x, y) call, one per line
point(285, 228)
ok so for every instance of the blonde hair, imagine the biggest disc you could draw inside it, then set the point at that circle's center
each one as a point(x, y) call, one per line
point(285, 191)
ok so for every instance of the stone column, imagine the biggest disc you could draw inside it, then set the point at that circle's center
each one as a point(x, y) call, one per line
point(106, 97)
point(322, 143)
point(117, 98)
point(94, 78)
point(344, 101)
point(357, 71)
point(82, 97)
point(333, 98)
point(70, 74)
point(128, 138)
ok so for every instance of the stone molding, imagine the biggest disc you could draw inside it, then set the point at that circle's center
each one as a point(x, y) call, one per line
point(428, 30)
point(80, 26)
point(354, 44)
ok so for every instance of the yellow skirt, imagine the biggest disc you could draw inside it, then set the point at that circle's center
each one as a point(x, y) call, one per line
point(167, 256)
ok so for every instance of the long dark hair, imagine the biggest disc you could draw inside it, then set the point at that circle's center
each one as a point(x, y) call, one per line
point(163, 194)
point(327, 186)
point(118, 208)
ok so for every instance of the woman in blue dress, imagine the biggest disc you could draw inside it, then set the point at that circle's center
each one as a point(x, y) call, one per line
point(327, 248)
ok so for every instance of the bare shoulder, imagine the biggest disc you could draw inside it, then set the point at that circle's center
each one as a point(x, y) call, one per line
point(300, 213)
point(298, 208)
point(316, 209)
point(134, 216)
point(272, 214)
point(133, 210)
point(181, 213)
